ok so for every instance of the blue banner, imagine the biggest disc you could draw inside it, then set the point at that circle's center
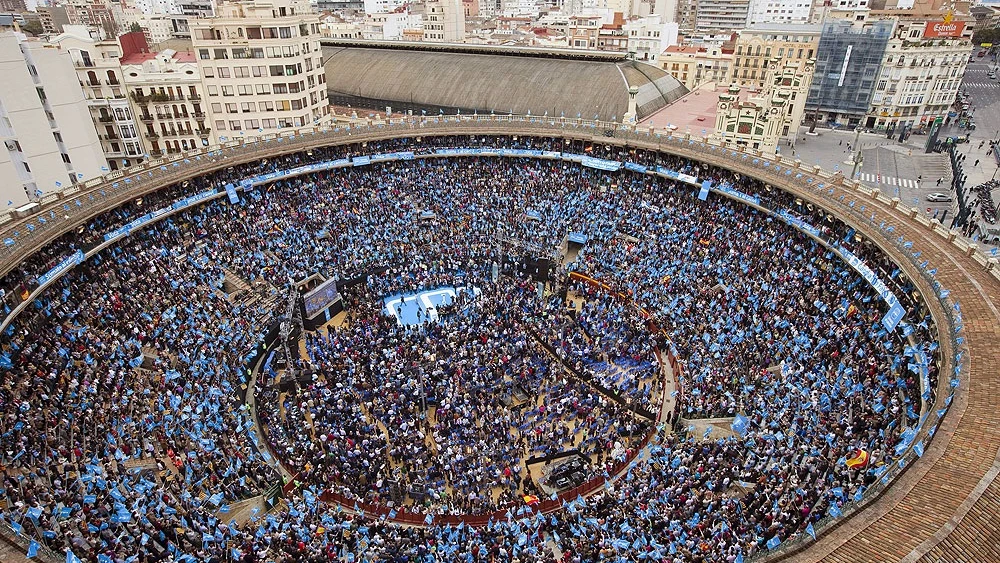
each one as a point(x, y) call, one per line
point(62, 268)
point(892, 318)
point(361, 160)
point(635, 167)
point(705, 187)
point(231, 191)
point(600, 163)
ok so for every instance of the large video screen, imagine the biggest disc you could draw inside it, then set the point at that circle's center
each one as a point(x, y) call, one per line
point(319, 298)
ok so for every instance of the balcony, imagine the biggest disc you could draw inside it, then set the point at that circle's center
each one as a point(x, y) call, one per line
point(146, 117)
point(109, 136)
point(199, 114)
point(204, 132)
point(194, 97)
point(105, 119)
point(152, 134)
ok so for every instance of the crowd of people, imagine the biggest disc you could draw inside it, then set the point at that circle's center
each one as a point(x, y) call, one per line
point(126, 435)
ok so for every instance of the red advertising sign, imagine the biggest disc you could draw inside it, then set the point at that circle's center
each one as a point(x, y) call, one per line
point(944, 29)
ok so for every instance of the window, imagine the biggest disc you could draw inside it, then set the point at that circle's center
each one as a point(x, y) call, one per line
point(244, 89)
point(285, 32)
point(203, 54)
point(259, 71)
point(290, 70)
point(276, 70)
point(257, 53)
point(279, 88)
point(242, 53)
point(251, 123)
point(234, 125)
point(283, 105)
point(241, 72)
point(231, 108)
point(254, 33)
point(266, 106)
point(221, 54)
point(263, 89)
point(227, 90)
point(296, 104)
point(268, 123)
point(217, 108)
point(65, 158)
point(223, 72)
point(220, 125)
point(274, 52)
point(213, 90)
point(294, 87)
point(247, 107)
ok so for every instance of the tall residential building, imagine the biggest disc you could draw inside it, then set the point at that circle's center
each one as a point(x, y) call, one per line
point(721, 15)
point(262, 68)
point(779, 11)
point(166, 93)
point(52, 18)
point(848, 60)
point(95, 13)
point(99, 73)
point(444, 21)
point(922, 67)
point(49, 140)
point(796, 43)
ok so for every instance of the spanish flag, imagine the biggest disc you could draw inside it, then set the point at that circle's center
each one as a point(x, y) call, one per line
point(531, 500)
point(859, 461)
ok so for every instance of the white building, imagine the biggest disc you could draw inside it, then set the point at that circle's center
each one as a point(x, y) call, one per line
point(721, 15)
point(922, 69)
point(261, 64)
point(167, 98)
point(649, 36)
point(150, 7)
point(382, 6)
point(390, 26)
point(444, 21)
point(779, 11)
point(49, 139)
point(98, 69)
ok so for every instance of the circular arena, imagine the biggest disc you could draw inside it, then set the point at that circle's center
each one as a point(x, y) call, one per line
point(494, 339)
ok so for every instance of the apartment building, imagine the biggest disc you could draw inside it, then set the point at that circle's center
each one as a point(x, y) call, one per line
point(721, 15)
point(167, 98)
point(693, 66)
point(444, 21)
point(262, 68)
point(779, 11)
point(97, 67)
point(649, 36)
point(49, 140)
point(756, 46)
point(922, 67)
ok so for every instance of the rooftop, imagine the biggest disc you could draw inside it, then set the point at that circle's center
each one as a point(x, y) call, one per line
point(694, 112)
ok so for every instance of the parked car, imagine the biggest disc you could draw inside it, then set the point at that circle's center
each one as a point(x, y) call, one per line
point(938, 196)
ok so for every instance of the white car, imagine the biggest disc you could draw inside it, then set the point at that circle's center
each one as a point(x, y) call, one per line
point(938, 196)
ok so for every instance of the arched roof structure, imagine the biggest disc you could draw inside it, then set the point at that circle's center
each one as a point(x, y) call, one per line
point(484, 82)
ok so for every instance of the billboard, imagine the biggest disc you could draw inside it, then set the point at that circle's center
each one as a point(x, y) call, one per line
point(944, 29)
point(319, 298)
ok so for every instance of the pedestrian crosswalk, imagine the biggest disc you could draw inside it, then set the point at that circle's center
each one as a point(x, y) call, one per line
point(986, 84)
point(888, 180)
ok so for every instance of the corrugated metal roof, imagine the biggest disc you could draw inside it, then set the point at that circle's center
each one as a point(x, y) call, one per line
point(500, 83)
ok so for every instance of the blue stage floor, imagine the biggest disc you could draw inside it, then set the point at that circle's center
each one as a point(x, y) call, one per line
point(405, 307)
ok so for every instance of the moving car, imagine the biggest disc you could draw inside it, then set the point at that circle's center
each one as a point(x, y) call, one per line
point(938, 196)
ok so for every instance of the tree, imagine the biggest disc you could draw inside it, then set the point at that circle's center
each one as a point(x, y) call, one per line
point(32, 27)
point(135, 27)
point(986, 36)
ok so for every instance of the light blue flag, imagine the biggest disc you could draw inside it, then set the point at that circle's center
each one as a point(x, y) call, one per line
point(33, 548)
point(811, 531)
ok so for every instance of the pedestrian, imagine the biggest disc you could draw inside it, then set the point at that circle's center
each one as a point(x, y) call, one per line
point(841, 142)
point(977, 162)
point(981, 143)
point(939, 181)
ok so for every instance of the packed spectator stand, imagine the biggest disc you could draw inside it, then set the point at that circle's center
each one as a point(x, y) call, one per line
point(127, 433)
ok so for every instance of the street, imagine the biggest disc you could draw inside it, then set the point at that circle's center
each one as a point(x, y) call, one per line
point(904, 170)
